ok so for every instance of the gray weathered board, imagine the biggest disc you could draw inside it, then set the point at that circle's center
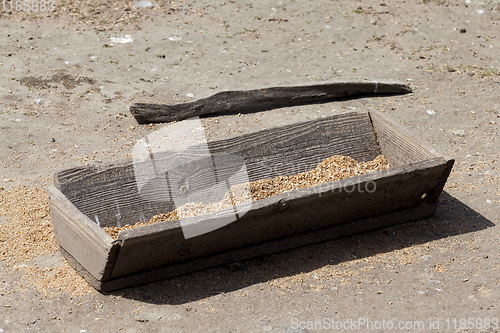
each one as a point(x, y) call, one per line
point(82, 198)
point(264, 98)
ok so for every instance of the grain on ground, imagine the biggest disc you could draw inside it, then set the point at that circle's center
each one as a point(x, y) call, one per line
point(26, 233)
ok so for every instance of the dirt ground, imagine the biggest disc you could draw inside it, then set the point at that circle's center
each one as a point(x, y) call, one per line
point(67, 78)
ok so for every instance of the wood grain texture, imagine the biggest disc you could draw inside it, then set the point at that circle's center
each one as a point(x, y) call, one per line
point(397, 188)
point(397, 145)
point(109, 193)
point(260, 249)
point(264, 98)
point(400, 147)
point(80, 236)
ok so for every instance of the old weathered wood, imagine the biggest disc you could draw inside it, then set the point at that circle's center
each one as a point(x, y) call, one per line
point(433, 195)
point(261, 249)
point(405, 192)
point(308, 209)
point(397, 145)
point(109, 195)
point(80, 236)
point(264, 98)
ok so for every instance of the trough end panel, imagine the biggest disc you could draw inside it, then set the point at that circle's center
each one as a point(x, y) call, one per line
point(79, 236)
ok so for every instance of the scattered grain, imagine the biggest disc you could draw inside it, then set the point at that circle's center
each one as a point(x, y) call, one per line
point(26, 234)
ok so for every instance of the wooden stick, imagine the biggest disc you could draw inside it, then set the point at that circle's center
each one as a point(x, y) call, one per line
point(264, 98)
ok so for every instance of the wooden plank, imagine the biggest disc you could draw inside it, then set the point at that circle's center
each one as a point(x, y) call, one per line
point(398, 188)
point(80, 236)
point(261, 249)
point(397, 145)
point(263, 98)
point(400, 147)
point(109, 194)
point(434, 194)
point(300, 147)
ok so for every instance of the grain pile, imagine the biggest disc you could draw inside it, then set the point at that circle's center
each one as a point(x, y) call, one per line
point(333, 168)
point(30, 232)
point(26, 234)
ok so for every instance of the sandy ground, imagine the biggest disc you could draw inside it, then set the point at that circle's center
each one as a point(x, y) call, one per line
point(66, 84)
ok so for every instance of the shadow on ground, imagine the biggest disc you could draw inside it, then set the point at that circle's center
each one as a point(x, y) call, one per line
point(452, 218)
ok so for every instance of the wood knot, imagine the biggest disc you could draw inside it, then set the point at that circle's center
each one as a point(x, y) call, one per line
point(183, 191)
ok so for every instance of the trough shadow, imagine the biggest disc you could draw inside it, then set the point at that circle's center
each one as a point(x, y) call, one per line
point(452, 218)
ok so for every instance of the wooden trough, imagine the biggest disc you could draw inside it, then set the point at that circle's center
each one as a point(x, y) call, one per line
point(84, 199)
